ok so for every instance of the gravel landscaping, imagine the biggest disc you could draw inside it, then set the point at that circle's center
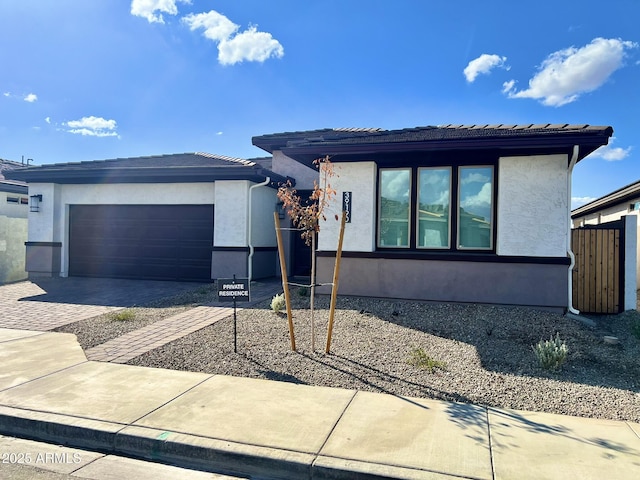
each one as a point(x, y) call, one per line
point(479, 354)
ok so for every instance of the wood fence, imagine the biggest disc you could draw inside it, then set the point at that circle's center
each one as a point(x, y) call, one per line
point(598, 275)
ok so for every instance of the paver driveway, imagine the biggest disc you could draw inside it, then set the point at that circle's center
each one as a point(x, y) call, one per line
point(45, 304)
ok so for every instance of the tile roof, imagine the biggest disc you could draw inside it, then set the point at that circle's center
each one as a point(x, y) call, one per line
point(186, 166)
point(197, 159)
point(11, 185)
point(348, 136)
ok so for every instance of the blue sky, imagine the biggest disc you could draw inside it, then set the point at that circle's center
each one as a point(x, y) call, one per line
point(89, 80)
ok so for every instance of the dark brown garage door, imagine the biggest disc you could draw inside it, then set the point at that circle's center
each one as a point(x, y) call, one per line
point(159, 242)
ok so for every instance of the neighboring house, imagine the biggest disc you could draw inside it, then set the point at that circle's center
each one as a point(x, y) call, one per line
point(609, 208)
point(14, 207)
point(453, 213)
point(191, 216)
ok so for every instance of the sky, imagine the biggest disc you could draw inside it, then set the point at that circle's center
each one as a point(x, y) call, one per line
point(91, 80)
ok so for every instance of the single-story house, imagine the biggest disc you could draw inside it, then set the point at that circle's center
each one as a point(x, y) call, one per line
point(14, 207)
point(461, 213)
point(189, 216)
point(611, 207)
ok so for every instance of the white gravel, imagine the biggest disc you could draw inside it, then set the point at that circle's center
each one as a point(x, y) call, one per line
point(486, 350)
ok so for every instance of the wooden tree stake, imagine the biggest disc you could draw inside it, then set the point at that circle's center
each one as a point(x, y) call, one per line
point(334, 288)
point(285, 282)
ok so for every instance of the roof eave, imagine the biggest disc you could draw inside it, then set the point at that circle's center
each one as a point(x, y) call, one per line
point(587, 143)
point(148, 175)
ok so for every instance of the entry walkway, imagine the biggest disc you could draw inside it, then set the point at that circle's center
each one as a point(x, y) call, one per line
point(130, 345)
point(135, 343)
point(49, 391)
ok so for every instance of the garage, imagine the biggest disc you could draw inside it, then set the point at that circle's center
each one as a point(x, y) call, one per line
point(154, 242)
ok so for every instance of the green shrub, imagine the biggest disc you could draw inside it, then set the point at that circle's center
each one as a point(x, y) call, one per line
point(123, 315)
point(420, 359)
point(551, 353)
point(278, 303)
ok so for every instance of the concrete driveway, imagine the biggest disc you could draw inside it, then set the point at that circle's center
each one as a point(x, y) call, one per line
point(45, 304)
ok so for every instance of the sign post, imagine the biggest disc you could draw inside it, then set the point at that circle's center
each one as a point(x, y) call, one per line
point(234, 290)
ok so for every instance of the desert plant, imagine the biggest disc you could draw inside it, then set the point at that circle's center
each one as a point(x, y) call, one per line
point(419, 358)
point(552, 353)
point(123, 315)
point(278, 303)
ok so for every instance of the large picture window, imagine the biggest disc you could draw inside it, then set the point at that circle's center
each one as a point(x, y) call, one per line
point(436, 208)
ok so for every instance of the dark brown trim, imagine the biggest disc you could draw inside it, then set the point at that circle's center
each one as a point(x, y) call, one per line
point(450, 257)
point(147, 175)
point(11, 188)
point(43, 244)
point(243, 249)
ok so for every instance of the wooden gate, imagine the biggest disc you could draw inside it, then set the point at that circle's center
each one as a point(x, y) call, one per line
point(598, 276)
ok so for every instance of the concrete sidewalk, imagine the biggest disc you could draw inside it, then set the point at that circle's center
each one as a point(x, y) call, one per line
point(50, 392)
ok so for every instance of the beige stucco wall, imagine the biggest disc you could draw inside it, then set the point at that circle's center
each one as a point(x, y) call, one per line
point(359, 235)
point(13, 210)
point(263, 204)
point(231, 213)
point(13, 234)
point(533, 210)
point(287, 167)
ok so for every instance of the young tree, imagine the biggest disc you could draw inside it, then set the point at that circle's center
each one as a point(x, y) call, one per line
point(306, 216)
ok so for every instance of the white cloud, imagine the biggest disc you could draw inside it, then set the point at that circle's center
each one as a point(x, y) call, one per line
point(611, 154)
point(219, 133)
point(579, 201)
point(6, 94)
point(148, 8)
point(508, 86)
point(32, 97)
point(483, 65)
point(249, 45)
point(233, 47)
point(48, 120)
point(216, 26)
point(93, 126)
point(566, 74)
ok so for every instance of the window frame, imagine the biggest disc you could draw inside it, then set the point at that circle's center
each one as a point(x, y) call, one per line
point(460, 168)
point(379, 209)
point(449, 168)
point(454, 196)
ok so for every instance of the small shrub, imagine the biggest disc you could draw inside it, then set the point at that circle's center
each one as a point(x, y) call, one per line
point(551, 353)
point(278, 303)
point(123, 315)
point(303, 292)
point(420, 359)
point(635, 327)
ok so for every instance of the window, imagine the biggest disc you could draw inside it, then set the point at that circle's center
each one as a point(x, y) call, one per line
point(434, 193)
point(12, 199)
point(475, 207)
point(633, 207)
point(415, 208)
point(394, 213)
point(24, 201)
